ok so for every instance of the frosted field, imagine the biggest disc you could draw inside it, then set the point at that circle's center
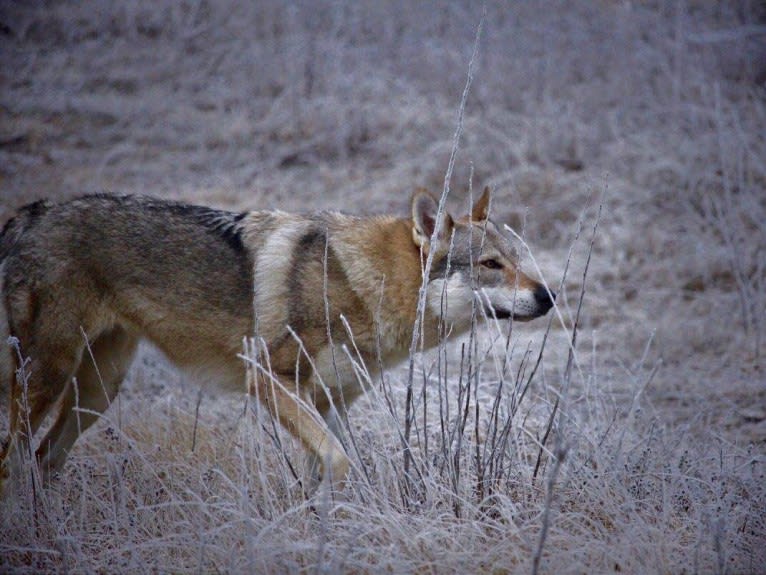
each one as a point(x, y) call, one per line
point(639, 450)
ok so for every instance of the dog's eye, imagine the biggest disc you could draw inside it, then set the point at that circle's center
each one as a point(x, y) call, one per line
point(492, 264)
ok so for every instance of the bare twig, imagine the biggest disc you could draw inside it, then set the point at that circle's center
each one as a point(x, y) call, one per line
point(416, 333)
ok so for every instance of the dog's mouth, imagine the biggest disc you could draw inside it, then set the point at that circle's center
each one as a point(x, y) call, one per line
point(500, 313)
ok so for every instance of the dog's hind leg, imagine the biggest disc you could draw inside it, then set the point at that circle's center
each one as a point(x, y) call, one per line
point(91, 391)
point(35, 389)
point(49, 328)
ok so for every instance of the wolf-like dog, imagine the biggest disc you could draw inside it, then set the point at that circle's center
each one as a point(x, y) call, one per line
point(83, 281)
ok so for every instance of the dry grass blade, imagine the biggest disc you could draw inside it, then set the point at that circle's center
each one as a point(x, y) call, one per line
point(416, 333)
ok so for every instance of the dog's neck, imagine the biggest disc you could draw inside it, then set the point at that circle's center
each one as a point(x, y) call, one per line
point(388, 278)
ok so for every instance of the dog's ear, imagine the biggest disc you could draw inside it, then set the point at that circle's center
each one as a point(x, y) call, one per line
point(425, 208)
point(480, 209)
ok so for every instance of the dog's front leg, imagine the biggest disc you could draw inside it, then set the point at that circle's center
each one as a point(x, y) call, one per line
point(303, 421)
point(334, 419)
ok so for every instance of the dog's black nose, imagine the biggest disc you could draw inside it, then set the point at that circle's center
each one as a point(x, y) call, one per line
point(544, 299)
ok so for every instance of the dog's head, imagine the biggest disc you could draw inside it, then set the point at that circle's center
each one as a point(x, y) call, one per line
point(474, 261)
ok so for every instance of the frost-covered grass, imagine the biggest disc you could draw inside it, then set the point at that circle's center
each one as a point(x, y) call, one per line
point(646, 455)
point(616, 488)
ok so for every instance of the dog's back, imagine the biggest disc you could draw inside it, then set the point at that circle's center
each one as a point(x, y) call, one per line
point(159, 267)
